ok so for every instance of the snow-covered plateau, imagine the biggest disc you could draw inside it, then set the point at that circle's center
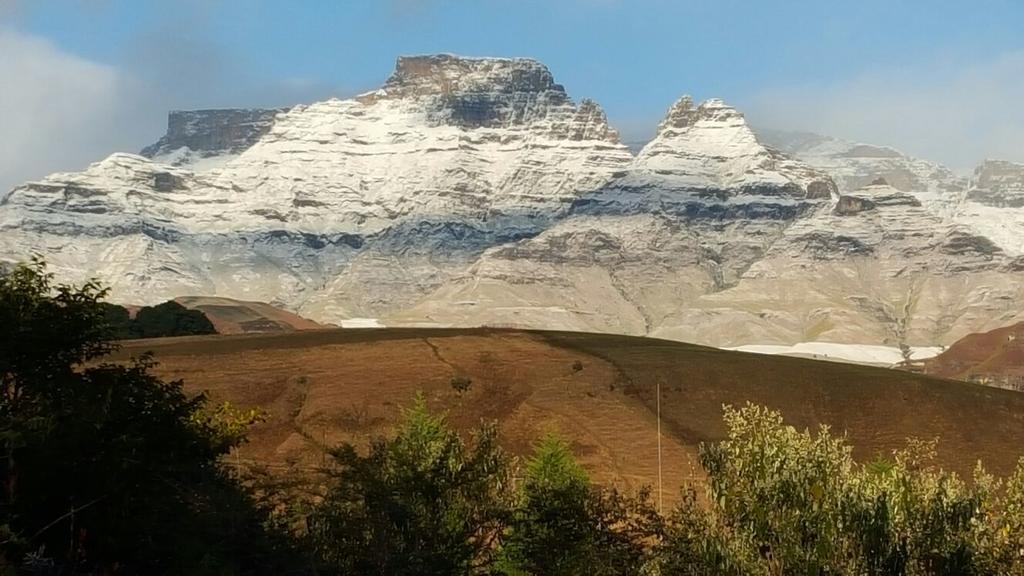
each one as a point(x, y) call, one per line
point(475, 191)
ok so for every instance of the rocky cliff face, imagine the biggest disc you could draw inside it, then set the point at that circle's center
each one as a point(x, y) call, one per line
point(700, 204)
point(197, 135)
point(993, 204)
point(998, 184)
point(467, 191)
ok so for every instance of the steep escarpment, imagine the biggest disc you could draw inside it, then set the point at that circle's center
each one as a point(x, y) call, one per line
point(710, 236)
point(209, 137)
point(993, 204)
point(878, 267)
point(990, 202)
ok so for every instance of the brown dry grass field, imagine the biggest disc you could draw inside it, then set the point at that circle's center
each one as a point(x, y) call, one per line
point(323, 387)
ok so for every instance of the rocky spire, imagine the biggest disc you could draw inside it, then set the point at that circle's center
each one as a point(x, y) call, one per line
point(683, 114)
point(591, 123)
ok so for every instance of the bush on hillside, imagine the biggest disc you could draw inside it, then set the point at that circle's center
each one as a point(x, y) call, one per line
point(460, 384)
point(171, 319)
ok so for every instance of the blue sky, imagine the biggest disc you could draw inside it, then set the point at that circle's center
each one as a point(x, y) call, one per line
point(939, 79)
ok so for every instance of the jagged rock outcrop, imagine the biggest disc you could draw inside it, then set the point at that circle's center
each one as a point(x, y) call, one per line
point(999, 184)
point(993, 204)
point(470, 191)
point(197, 135)
point(849, 205)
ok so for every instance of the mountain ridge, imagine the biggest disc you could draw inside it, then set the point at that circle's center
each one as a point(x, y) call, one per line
point(470, 191)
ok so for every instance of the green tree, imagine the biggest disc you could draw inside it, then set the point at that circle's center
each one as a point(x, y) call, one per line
point(107, 468)
point(422, 503)
point(695, 543)
point(564, 526)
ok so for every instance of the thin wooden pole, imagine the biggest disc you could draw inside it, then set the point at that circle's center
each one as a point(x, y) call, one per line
point(660, 506)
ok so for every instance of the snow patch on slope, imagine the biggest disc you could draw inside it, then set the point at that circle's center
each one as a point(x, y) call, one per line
point(855, 353)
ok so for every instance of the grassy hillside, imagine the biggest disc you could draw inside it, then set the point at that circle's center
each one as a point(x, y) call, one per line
point(231, 316)
point(322, 387)
point(995, 358)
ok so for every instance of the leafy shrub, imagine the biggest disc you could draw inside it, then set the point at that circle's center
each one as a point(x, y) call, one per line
point(460, 384)
point(782, 501)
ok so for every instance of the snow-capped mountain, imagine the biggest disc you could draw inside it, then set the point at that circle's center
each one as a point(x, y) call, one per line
point(855, 165)
point(698, 205)
point(990, 202)
point(710, 236)
point(340, 208)
point(471, 191)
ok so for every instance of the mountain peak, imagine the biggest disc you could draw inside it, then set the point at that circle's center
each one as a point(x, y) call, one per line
point(475, 92)
point(444, 74)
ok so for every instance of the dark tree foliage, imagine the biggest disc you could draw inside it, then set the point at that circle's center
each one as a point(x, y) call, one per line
point(162, 320)
point(170, 319)
point(564, 526)
point(118, 320)
point(423, 503)
point(106, 468)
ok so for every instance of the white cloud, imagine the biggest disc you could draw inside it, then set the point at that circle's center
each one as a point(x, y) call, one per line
point(59, 111)
point(56, 109)
point(958, 114)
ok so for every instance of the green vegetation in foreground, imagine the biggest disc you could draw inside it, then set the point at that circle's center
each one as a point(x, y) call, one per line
point(162, 320)
point(107, 469)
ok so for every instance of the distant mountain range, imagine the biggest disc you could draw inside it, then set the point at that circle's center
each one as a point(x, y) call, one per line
point(472, 191)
